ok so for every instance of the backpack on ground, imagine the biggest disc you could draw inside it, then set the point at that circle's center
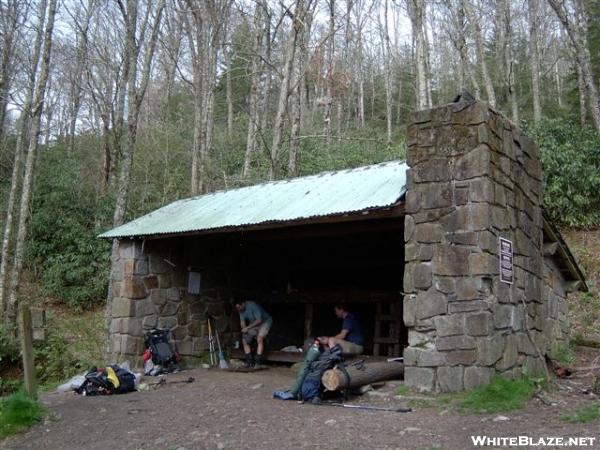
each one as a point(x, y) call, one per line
point(157, 340)
point(122, 380)
point(311, 386)
point(96, 383)
point(107, 381)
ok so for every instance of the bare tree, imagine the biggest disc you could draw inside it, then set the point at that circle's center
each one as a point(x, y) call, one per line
point(81, 20)
point(37, 106)
point(296, 28)
point(255, 77)
point(505, 13)
point(475, 25)
point(534, 53)
point(297, 85)
point(22, 136)
point(328, 100)
point(416, 9)
point(386, 50)
point(204, 33)
point(577, 36)
point(12, 18)
point(457, 31)
point(135, 89)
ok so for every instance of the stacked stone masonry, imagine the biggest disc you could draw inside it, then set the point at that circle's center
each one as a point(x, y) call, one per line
point(150, 290)
point(473, 178)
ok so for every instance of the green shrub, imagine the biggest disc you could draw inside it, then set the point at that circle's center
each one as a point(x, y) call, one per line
point(18, 412)
point(583, 415)
point(501, 394)
point(72, 263)
point(563, 354)
point(571, 162)
point(9, 348)
point(54, 359)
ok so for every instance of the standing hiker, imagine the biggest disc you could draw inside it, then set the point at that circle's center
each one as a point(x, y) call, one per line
point(255, 323)
point(351, 337)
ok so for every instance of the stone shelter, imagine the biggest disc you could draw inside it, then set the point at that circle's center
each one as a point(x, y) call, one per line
point(448, 259)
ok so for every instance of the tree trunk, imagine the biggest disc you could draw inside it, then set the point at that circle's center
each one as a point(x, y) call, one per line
point(253, 107)
point(76, 83)
point(428, 74)
point(284, 91)
point(336, 379)
point(583, 110)
point(266, 85)
point(479, 42)
point(295, 132)
point(534, 52)
point(387, 56)
point(34, 134)
point(135, 96)
point(582, 56)
point(298, 87)
point(416, 15)
point(229, 89)
point(330, 68)
point(461, 44)
point(508, 61)
point(22, 134)
point(11, 24)
point(557, 79)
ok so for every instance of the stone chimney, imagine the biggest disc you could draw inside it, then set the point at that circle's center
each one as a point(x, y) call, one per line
point(474, 178)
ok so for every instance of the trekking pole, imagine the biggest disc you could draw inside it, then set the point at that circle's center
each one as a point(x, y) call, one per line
point(164, 381)
point(368, 407)
point(222, 362)
point(211, 344)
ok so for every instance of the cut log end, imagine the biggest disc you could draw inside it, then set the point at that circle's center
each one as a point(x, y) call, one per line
point(333, 379)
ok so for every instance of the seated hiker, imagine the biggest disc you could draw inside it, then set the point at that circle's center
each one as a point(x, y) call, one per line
point(255, 323)
point(350, 339)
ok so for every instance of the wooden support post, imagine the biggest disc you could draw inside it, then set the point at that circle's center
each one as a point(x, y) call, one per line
point(27, 351)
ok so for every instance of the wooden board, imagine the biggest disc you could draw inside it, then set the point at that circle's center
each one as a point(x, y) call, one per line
point(244, 369)
point(293, 357)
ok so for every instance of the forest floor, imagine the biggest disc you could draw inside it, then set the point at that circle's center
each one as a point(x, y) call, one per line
point(584, 308)
point(228, 410)
point(236, 410)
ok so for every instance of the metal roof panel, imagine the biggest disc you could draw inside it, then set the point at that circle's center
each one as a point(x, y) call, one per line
point(324, 194)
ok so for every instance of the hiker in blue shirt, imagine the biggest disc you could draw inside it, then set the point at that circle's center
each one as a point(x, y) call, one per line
point(351, 337)
point(255, 323)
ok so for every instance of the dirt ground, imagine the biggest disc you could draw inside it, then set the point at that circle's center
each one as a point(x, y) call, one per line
point(227, 410)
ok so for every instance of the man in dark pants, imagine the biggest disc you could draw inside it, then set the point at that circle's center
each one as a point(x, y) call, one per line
point(255, 323)
point(351, 337)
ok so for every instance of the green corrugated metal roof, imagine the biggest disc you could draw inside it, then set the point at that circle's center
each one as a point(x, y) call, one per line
point(324, 194)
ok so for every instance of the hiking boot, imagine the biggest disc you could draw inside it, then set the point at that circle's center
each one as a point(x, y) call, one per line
point(258, 361)
point(248, 363)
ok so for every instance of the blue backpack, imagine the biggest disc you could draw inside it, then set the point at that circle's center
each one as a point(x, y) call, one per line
point(311, 387)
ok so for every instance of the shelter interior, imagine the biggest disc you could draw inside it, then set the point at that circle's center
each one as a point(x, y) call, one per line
point(298, 273)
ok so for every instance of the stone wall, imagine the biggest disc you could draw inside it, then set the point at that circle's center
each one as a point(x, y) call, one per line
point(556, 323)
point(473, 178)
point(150, 289)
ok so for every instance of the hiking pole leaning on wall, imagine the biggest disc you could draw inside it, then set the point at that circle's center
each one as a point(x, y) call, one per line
point(222, 362)
point(211, 344)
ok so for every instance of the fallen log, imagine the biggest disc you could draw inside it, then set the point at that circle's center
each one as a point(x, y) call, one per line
point(336, 378)
point(588, 343)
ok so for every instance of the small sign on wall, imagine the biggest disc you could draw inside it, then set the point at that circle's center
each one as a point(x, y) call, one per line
point(193, 283)
point(506, 261)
